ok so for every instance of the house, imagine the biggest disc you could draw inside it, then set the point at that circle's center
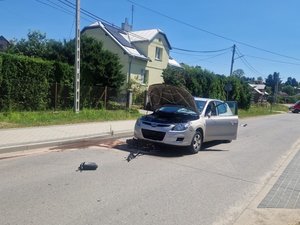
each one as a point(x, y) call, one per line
point(144, 54)
point(3, 43)
point(259, 94)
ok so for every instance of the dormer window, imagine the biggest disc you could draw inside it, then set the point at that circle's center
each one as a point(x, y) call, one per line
point(158, 53)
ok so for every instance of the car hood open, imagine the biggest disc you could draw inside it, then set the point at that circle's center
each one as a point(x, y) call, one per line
point(163, 94)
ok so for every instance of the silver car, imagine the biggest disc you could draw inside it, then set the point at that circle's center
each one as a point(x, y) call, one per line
point(180, 119)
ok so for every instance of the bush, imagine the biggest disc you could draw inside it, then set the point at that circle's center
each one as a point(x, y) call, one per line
point(25, 83)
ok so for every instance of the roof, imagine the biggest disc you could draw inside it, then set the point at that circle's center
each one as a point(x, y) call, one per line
point(3, 39)
point(258, 86)
point(147, 35)
point(125, 38)
point(119, 36)
point(173, 62)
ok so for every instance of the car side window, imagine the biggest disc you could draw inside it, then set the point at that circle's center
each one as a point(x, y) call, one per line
point(223, 109)
point(211, 108)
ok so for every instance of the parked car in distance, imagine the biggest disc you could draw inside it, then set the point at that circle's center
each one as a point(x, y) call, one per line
point(295, 108)
point(179, 119)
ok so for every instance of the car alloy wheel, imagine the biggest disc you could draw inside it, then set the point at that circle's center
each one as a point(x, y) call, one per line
point(196, 143)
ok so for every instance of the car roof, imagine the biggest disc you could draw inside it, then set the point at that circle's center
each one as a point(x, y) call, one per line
point(206, 99)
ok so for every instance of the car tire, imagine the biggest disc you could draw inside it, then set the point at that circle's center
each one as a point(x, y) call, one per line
point(196, 143)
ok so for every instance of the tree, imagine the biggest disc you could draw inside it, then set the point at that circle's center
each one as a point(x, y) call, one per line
point(274, 82)
point(174, 76)
point(34, 46)
point(292, 82)
point(260, 80)
point(288, 89)
point(98, 66)
point(238, 73)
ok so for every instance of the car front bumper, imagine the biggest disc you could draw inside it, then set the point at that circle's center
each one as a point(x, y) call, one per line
point(164, 135)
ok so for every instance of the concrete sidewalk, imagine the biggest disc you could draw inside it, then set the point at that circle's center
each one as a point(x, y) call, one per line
point(18, 139)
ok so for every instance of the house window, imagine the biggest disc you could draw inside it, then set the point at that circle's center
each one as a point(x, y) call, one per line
point(158, 53)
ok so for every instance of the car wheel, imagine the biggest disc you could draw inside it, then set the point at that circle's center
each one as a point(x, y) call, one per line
point(196, 144)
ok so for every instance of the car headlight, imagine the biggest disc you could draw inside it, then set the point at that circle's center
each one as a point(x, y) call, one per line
point(181, 126)
point(138, 122)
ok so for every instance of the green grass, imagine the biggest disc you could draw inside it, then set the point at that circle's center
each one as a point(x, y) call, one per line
point(44, 118)
point(262, 110)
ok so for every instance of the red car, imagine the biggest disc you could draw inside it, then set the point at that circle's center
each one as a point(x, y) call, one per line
point(295, 108)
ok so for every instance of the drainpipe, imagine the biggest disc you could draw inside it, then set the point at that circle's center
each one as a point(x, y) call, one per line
point(129, 91)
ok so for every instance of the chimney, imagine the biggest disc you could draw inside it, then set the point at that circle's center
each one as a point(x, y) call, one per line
point(126, 26)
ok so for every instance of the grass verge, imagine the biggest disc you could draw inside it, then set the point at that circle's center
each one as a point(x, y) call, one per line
point(44, 118)
point(263, 110)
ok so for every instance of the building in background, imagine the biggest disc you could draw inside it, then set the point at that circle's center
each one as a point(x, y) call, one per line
point(144, 54)
point(259, 93)
point(3, 43)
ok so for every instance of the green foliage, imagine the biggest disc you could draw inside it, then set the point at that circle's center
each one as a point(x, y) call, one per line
point(62, 86)
point(100, 67)
point(238, 73)
point(174, 76)
point(25, 83)
point(292, 82)
point(290, 90)
point(204, 83)
point(268, 109)
point(138, 92)
point(273, 80)
point(34, 46)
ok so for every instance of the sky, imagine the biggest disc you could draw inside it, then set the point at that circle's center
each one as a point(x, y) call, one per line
point(201, 32)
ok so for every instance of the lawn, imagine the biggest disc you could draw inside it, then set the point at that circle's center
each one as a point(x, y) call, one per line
point(44, 118)
point(263, 110)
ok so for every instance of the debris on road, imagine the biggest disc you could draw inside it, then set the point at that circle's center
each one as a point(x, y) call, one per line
point(87, 166)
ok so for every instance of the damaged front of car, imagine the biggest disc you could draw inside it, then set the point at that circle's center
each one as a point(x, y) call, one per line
point(174, 119)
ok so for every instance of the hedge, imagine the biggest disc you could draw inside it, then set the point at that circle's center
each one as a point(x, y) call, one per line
point(25, 83)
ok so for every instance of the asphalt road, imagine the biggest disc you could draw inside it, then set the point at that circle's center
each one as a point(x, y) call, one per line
point(162, 187)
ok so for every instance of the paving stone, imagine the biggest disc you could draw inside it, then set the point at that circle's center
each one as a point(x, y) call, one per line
point(286, 191)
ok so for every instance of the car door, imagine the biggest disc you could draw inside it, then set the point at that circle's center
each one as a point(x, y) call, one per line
point(221, 124)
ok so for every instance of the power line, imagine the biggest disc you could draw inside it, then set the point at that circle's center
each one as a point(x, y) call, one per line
point(272, 60)
point(198, 51)
point(60, 7)
point(83, 11)
point(211, 33)
point(246, 63)
point(208, 56)
point(55, 6)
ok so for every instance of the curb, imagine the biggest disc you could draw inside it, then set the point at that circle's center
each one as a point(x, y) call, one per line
point(44, 144)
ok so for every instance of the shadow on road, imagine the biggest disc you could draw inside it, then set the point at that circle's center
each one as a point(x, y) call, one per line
point(137, 148)
point(145, 148)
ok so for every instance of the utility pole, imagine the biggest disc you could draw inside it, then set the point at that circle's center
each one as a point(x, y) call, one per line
point(232, 59)
point(77, 60)
point(132, 11)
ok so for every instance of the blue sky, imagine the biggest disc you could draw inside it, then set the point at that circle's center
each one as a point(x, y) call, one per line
point(266, 32)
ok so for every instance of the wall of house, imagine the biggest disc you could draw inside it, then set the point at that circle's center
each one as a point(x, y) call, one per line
point(155, 67)
point(135, 65)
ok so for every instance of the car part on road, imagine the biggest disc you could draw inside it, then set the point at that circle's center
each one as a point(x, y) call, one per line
point(87, 166)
